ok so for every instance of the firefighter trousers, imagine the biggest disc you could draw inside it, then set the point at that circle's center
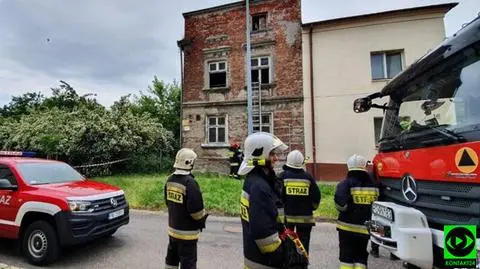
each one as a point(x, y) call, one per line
point(353, 250)
point(303, 232)
point(234, 169)
point(183, 252)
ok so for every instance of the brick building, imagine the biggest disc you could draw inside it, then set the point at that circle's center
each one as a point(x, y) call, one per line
point(214, 95)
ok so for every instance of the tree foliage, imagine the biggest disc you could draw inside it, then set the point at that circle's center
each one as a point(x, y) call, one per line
point(77, 129)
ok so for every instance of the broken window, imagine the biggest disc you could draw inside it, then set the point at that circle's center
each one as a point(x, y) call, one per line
point(265, 125)
point(259, 22)
point(217, 74)
point(260, 70)
point(216, 129)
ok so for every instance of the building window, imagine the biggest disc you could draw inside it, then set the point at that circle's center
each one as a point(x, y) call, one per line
point(377, 125)
point(259, 22)
point(265, 125)
point(216, 129)
point(386, 65)
point(261, 70)
point(217, 74)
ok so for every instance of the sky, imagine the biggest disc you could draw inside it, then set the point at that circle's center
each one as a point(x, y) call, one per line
point(116, 47)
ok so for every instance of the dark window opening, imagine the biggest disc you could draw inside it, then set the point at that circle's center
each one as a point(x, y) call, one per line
point(217, 75)
point(259, 22)
point(218, 80)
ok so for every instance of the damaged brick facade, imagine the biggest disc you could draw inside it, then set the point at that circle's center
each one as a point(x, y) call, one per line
point(214, 100)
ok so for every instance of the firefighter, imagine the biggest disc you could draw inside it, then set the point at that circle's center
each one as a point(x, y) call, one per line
point(353, 198)
point(263, 246)
point(186, 213)
point(235, 156)
point(300, 195)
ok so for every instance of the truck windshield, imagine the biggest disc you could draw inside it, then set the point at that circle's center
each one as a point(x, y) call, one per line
point(48, 173)
point(439, 106)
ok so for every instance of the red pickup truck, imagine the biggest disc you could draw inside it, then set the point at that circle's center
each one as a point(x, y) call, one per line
point(48, 204)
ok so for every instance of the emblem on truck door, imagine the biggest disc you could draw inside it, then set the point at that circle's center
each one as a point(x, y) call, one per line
point(409, 188)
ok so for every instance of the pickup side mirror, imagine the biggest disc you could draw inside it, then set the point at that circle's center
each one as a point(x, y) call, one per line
point(6, 185)
point(361, 105)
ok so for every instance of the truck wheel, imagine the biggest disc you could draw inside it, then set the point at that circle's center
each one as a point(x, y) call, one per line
point(40, 243)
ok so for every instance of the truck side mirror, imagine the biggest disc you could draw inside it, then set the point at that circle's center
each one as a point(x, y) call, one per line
point(6, 185)
point(362, 105)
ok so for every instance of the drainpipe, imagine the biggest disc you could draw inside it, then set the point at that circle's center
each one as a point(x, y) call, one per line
point(181, 47)
point(312, 103)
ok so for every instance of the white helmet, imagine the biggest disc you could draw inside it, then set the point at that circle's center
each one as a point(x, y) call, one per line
point(357, 163)
point(295, 159)
point(257, 149)
point(185, 159)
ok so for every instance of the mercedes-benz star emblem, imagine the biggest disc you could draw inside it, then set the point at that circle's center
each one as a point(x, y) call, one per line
point(114, 202)
point(409, 188)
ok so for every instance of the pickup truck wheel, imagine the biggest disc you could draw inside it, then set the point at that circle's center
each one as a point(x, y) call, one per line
point(40, 243)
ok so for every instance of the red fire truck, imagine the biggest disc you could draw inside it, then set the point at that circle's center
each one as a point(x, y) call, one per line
point(428, 157)
point(47, 204)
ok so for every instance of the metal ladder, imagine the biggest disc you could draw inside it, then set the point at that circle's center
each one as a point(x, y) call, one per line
point(257, 104)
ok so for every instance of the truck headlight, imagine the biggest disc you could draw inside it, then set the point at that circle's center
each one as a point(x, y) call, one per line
point(80, 206)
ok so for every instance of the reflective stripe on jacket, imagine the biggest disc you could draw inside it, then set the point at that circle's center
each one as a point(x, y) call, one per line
point(185, 207)
point(300, 195)
point(261, 242)
point(353, 199)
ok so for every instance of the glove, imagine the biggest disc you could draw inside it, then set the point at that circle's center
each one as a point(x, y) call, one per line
point(203, 222)
point(296, 257)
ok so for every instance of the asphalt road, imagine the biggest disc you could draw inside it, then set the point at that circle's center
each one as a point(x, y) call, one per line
point(143, 243)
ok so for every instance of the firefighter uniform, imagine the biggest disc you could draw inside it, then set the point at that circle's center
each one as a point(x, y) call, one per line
point(353, 198)
point(186, 216)
point(259, 202)
point(259, 212)
point(235, 157)
point(300, 195)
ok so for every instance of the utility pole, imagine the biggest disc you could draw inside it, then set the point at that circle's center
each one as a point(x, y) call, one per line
point(248, 70)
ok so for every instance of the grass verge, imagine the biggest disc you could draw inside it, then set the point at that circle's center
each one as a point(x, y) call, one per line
point(221, 194)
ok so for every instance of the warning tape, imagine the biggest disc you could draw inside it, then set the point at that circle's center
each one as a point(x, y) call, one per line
point(101, 164)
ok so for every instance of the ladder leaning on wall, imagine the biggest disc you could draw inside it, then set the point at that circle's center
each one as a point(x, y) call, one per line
point(257, 105)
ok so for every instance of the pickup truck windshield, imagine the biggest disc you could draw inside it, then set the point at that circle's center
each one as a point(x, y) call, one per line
point(48, 173)
point(438, 106)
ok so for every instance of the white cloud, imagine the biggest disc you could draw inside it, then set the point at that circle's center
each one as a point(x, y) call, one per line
point(115, 47)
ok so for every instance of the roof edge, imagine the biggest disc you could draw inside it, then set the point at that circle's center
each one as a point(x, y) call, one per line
point(446, 6)
point(219, 8)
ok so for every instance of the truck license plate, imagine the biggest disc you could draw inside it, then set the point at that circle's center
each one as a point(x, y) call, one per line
point(116, 214)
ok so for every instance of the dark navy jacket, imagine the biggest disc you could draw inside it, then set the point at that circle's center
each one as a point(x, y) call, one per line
point(353, 198)
point(186, 213)
point(300, 196)
point(261, 243)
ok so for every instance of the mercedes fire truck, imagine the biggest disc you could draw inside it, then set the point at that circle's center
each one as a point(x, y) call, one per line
point(427, 165)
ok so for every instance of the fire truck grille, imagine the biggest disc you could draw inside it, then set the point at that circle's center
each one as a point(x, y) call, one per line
point(106, 204)
point(442, 202)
